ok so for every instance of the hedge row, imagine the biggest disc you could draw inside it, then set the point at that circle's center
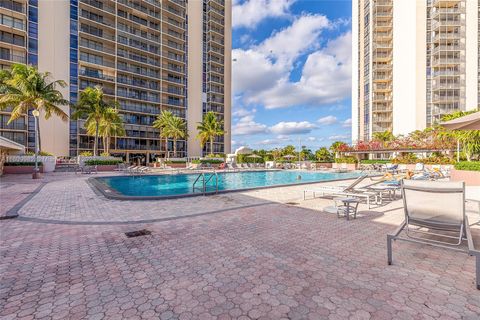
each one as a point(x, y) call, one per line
point(466, 165)
point(102, 162)
point(22, 164)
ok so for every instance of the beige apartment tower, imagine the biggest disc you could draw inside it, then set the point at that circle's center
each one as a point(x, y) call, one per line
point(413, 61)
point(148, 55)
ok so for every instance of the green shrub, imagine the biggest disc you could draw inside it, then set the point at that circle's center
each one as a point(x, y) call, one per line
point(40, 153)
point(20, 164)
point(346, 160)
point(468, 165)
point(86, 153)
point(102, 162)
point(175, 161)
point(211, 161)
point(366, 161)
point(105, 154)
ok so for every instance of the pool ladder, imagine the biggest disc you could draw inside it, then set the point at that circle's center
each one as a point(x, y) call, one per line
point(205, 179)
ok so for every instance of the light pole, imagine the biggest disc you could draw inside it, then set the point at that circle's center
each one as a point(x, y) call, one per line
point(36, 174)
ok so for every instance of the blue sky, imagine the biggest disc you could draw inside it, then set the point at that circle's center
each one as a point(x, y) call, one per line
point(291, 72)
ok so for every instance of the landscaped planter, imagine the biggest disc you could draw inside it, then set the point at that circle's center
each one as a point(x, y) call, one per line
point(106, 167)
point(471, 178)
point(349, 166)
point(20, 169)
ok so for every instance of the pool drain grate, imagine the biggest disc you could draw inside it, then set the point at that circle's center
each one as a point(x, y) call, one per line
point(138, 233)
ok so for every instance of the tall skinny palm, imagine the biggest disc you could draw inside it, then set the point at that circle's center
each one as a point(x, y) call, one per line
point(177, 129)
point(161, 123)
point(111, 125)
point(92, 106)
point(209, 128)
point(24, 89)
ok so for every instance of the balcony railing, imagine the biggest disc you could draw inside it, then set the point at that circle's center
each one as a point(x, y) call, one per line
point(99, 5)
point(12, 57)
point(97, 75)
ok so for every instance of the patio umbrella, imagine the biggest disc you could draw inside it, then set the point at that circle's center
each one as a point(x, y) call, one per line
point(254, 156)
point(468, 122)
point(289, 157)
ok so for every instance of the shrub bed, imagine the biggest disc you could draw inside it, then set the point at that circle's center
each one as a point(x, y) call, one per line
point(22, 164)
point(102, 162)
point(375, 161)
point(468, 165)
point(346, 160)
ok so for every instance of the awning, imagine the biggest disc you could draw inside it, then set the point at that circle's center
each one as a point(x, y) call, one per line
point(468, 122)
point(11, 146)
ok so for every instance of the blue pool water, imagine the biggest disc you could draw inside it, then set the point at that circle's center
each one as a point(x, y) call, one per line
point(181, 184)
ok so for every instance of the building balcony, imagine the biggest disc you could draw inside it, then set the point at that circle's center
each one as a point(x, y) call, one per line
point(445, 3)
point(137, 6)
point(446, 99)
point(446, 24)
point(13, 57)
point(447, 48)
point(448, 86)
point(96, 75)
point(442, 12)
point(384, 3)
point(99, 5)
point(174, 80)
point(447, 61)
point(448, 73)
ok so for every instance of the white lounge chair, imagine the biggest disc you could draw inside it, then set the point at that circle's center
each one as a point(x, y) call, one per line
point(435, 215)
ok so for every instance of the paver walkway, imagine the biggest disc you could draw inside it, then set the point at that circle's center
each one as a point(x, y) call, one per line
point(270, 261)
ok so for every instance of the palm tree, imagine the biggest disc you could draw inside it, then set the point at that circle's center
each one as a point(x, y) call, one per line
point(161, 123)
point(92, 106)
point(209, 128)
point(110, 125)
point(24, 89)
point(470, 139)
point(177, 129)
point(385, 137)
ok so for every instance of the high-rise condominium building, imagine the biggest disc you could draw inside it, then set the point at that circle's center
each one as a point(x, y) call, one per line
point(413, 61)
point(148, 55)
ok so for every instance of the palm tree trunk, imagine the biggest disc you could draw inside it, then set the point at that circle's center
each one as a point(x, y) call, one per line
point(108, 144)
point(175, 147)
point(95, 144)
point(104, 140)
point(211, 145)
point(166, 147)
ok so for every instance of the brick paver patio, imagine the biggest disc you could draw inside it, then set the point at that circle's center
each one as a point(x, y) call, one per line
point(248, 256)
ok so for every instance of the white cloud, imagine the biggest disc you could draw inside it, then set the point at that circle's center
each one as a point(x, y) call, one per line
point(326, 73)
point(242, 112)
point(326, 78)
point(327, 120)
point(262, 67)
point(285, 128)
point(339, 137)
point(245, 123)
point(251, 12)
point(347, 123)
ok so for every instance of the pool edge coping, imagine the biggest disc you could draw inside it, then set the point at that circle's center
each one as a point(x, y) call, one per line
point(110, 193)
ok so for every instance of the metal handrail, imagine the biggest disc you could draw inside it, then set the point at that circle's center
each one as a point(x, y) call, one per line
point(205, 182)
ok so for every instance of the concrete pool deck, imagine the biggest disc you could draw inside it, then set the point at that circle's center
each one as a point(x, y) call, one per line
point(243, 255)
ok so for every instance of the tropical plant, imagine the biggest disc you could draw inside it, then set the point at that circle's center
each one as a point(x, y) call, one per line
point(92, 106)
point(276, 153)
point(306, 154)
point(289, 150)
point(24, 88)
point(384, 137)
point(338, 146)
point(209, 128)
point(469, 139)
point(177, 129)
point(111, 124)
point(161, 123)
point(323, 155)
point(171, 126)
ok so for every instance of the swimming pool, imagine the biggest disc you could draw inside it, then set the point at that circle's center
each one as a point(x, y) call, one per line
point(168, 186)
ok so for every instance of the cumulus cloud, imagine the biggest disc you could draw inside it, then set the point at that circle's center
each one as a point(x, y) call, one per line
point(251, 12)
point(327, 120)
point(272, 59)
point(338, 137)
point(285, 128)
point(325, 75)
point(347, 123)
point(247, 125)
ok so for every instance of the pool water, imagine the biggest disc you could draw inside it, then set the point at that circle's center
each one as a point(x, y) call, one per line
point(181, 184)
